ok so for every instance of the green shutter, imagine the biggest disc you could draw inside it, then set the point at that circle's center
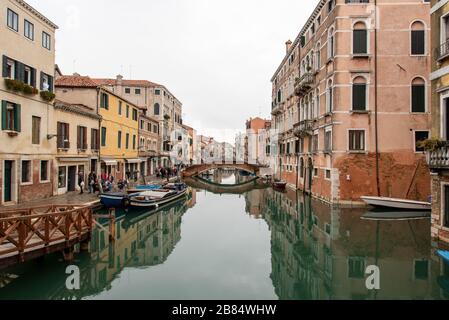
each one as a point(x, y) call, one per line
point(360, 42)
point(4, 103)
point(359, 97)
point(5, 67)
point(418, 98)
point(17, 117)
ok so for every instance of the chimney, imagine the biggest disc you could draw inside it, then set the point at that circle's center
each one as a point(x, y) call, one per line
point(288, 44)
point(76, 74)
point(119, 79)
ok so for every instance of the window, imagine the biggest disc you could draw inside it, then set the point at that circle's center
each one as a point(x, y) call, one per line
point(46, 40)
point(418, 42)
point(81, 141)
point(119, 140)
point(46, 82)
point(134, 142)
point(359, 39)
point(327, 174)
point(329, 97)
point(28, 30)
point(26, 171)
point(63, 135)
point(127, 111)
point(157, 92)
point(330, 5)
point(103, 136)
point(9, 68)
point(62, 180)
point(135, 114)
point(27, 75)
point(127, 90)
point(104, 101)
point(13, 20)
point(356, 268)
point(44, 176)
point(328, 141)
point(157, 109)
point(331, 44)
point(120, 108)
point(318, 56)
point(156, 128)
point(315, 143)
point(446, 207)
point(36, 130)
point(419, 137)
point(418, 95)
point(142, 125)
point(137, 91)
point(356, 140)
point(359, 94)
point(94, 139)
point(127, 141)
point(11, 116)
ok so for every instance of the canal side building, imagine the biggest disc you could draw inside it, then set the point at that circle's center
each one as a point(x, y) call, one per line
point(438, 158)
point(149, 146)
point(26, 93)
point(350, 123)
point(78, 144)
point(118, 127)
point(160, 104)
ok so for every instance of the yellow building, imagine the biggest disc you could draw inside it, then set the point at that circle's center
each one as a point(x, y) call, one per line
point(119, 124)
point(438, 157)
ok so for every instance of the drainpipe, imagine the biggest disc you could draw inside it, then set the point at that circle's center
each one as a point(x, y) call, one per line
point(376, 128)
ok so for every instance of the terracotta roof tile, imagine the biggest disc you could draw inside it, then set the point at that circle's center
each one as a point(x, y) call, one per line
point(131, 83)
point(75, 81)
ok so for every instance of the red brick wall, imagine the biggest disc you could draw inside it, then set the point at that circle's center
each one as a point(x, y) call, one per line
point(438, 232)
point(36, 190)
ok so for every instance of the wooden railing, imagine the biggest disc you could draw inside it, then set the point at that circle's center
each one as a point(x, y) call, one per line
point(25, 230)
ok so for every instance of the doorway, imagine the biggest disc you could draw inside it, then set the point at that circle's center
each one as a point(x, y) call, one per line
point(71, 184)
point(8, 181)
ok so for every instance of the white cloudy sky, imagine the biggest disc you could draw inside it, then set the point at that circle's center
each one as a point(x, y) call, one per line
point(216, 56)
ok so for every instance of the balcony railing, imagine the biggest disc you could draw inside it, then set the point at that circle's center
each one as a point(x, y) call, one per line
point(303, 128)
point(304, 84)
point(443, 50)
point(439, 158)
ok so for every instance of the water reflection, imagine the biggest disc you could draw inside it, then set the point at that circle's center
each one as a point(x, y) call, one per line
point(258, 245)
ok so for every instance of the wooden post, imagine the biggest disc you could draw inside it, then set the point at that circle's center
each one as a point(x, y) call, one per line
point(112, 224)
point(69, 253)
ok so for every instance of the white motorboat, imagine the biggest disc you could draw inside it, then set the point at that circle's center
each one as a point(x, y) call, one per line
point(399, 204)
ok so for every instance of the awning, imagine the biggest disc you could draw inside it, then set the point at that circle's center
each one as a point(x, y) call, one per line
point(109, 162)
point(73, 159)
point(133, 160)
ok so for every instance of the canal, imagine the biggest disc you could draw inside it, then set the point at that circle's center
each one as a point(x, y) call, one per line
point(259, 244)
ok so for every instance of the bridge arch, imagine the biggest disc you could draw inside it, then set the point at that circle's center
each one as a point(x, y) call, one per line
point(196, 170)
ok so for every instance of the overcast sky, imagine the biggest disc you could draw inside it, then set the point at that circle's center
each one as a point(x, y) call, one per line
point(216, 56)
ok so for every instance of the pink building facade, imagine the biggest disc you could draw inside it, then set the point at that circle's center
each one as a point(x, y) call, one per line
point(351, 101)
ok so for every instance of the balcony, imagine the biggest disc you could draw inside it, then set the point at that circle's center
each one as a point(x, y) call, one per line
point(277, 109)
point(443, 51)
point(439, 159)
point(304, 84)
point(303, 128)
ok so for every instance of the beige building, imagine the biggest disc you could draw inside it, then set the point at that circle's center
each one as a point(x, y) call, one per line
point(26, 93)
point(351, 101)
point(78, 144)
point(149, 144)
point(160, 104)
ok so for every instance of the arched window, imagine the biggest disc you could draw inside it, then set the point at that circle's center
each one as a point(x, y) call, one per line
point(331, 44)
point(279, 95)
point(318, 103)
point(359, 94)
point(157, 109)
point(306, 108)
point(312, 106)
point(418, 95)
point(318, 56)
point(360, 39)
point(329, 97)
point(418, 38)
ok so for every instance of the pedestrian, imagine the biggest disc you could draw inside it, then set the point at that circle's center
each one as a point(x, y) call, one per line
point(91, 182)
point(81, 181)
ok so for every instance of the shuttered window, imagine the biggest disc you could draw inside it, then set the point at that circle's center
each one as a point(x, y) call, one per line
point(359, 97)
point(356, 140)
point(63, 135)
point(11, 116)
point(104, 101)
point(418, 98)
point(103, 137)
point(36, 130)
point(95, 139)
point(360, 41)
point(81, 140)
point(134, 142)
point(127, 141)
point(119, 140)
point(46, 82)
point(418, 42)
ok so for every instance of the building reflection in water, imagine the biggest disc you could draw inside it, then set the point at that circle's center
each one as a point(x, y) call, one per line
point(319, 252)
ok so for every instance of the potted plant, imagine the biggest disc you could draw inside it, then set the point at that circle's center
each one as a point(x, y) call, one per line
point(48, 96)
point(432, 144)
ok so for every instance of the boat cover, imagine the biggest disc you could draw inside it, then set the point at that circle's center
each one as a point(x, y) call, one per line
point(155, 194)
point(444, 254)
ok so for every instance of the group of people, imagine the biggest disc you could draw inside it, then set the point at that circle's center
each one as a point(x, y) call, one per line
point(166, 172)
point(106, 181)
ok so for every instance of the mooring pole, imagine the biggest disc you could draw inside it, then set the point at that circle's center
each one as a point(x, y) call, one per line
point(112, 224)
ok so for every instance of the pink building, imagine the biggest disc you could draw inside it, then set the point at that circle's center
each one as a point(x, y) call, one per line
point(351, 101)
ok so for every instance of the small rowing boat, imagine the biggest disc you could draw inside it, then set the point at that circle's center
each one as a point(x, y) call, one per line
point(143, 188)
point(114, 200)
point(397, 204)
point(396, 215)
point(156, 198)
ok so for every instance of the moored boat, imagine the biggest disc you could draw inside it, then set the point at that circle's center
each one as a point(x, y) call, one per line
point(279, 185)
point(143, 188)
point(158, 197)
point(397, 204)
point(114, 200)
point(396, 215)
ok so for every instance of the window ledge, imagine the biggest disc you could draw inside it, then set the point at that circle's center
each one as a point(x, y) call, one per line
point(357, 152)
point(63, 149)
point(11, 133)
point(360, 55)
point(24, 184)
point(45, 181)
point(360, 111)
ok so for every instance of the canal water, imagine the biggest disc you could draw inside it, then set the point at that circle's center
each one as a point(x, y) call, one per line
point(259, 244)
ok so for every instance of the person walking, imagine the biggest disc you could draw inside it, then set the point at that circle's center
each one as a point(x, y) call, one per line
point(81, 182)
point(91, 182)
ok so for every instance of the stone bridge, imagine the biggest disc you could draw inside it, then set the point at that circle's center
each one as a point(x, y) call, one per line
point(196, 170)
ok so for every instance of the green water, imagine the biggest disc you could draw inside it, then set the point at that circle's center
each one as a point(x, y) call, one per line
point(257, 245)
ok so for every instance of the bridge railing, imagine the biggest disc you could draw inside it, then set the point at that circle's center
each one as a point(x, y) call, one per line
point(23, 230)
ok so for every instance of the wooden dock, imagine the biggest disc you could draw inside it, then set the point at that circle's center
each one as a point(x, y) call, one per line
point(26, 234)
